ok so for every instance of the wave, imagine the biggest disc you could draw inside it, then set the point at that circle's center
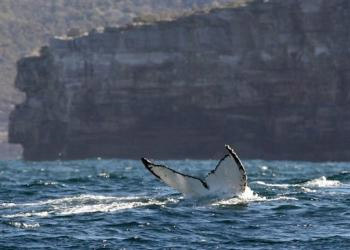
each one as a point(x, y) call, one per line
point(247, 196)
point(250, 196)
point(7, 204)
point(41, 183)
point(81, 204)
point(342, 176)
point(273, 184)
point(90, 203)
point(23, 225)
point(321, 182)
point(29, 214)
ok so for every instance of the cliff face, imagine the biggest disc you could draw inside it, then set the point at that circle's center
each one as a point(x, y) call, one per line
point(270, 78)
point(26, 25)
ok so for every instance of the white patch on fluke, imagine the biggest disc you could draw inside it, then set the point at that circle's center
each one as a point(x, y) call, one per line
point(228, 179)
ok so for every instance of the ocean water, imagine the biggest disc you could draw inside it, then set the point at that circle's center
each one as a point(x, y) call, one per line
point(115, 204)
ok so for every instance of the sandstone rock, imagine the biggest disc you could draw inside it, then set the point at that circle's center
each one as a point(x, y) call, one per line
point(270, 78)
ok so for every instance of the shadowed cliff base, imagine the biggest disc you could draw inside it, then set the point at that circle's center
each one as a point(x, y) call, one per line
point(269, 78)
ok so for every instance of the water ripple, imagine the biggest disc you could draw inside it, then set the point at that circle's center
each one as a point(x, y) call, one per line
point(117, 204)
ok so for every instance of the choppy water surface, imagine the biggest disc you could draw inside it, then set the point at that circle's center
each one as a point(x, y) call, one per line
point(118, 204)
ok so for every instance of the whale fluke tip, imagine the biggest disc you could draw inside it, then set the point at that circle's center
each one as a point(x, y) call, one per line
point(229, 148)
point(145, 161)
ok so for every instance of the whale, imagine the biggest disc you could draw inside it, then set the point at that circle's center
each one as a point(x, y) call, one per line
point(227, 179)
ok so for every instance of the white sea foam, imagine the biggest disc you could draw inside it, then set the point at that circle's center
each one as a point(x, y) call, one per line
point(247, 196)
point(282, 197)
point(104, 175)
point(108, 208)
point(264, 168)
point(322, 182)
point(29, 214)
point(76, 199)
point(7, 204)
point(273, 184)
point(24, 225)
point(308, 190)
point(82, 204)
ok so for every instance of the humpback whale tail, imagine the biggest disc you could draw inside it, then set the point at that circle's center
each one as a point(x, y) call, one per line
point(226, 180)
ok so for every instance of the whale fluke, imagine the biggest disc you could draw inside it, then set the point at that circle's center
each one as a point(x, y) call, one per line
point(226, 180)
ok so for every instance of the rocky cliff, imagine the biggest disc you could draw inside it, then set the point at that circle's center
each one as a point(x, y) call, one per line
point(27, 25)
point(270, 78)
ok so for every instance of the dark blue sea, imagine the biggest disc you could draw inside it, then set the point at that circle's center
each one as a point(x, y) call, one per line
point(116, 204)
